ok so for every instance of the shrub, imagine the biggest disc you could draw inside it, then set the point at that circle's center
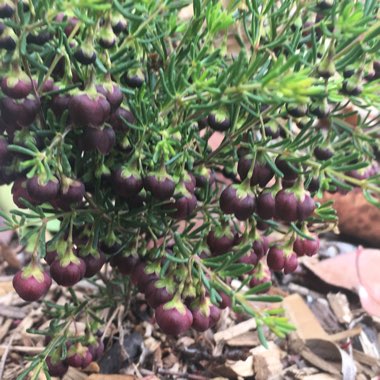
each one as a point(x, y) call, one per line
point(107, 112)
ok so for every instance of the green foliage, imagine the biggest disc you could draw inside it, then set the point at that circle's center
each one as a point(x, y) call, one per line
point(248, 63)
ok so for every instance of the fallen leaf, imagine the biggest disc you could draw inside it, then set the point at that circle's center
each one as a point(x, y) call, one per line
point(365, 225)
point(360, 275)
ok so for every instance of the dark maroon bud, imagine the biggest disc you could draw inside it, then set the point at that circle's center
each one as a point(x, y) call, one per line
point(349, 71)
point(42, 191)
point(297, 110)
point(323, 153)
point(173, 318)
point(141, 278)
point(291, 263)
point(56, 368)
point(23, 112)
point(127, 183)
point(189, 182)
point(201, 320)
point(8, 40)
point(8, 175)
point(16, 85)
point(258, 281)
point(101, 140)
point(226, 300)
point(351, 88)
point(31, 283)
point(109, 248)
point(286, 206)
point(250, 258)
point(319, 110)
point(303, 122)
point(120, 119)
point(261, 246)
point(67, 272)
point(244, 206)
point(276, 259)
point(262, 226)
point(370, 76)
point(326, 68)
point(93, 263)
point(314, 185)
point(262, 172)
point(133, 80)
point(125, 264)
point(40, 38)
point(203, 123)
point(285, 168)
point(376, 66)
point(79, 356)
point(266, 205)
point(19, 191)
point(227, 199)
point(220, 124)
point(137, 201)
point(306, 207)
point(204, 178)
point(96, 350)
point(72, 191)
point(288, 183)
point(7, 9)
point(107, 38)
point(325, 4)
point(48, 85)
point(50, 256)
point(220, 242)
point(261, 275)
point(183, 206)
point(60, 103)
point(4, 153)
point(160, 185)
point(112, 93)
point(215, 313)
point(119, 24)
point(156, 295)
point(30, 108)
point(70, 23)
point(88, 109)
point(229, 173)
point(306, 247)
point(272, 131)
point(85, 55)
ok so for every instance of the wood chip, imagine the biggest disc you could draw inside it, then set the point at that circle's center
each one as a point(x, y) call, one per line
point(363, 358)
point(4, 328)
point(318, 362)
point(23, 349)
point(267, 362)
point(243, 368)
point(345, 334)
point(12, 312)
point(236, 330)
point(322, 376)
point(340, 306)
point(249, 339)
point(308, 326)
point(74, 374)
